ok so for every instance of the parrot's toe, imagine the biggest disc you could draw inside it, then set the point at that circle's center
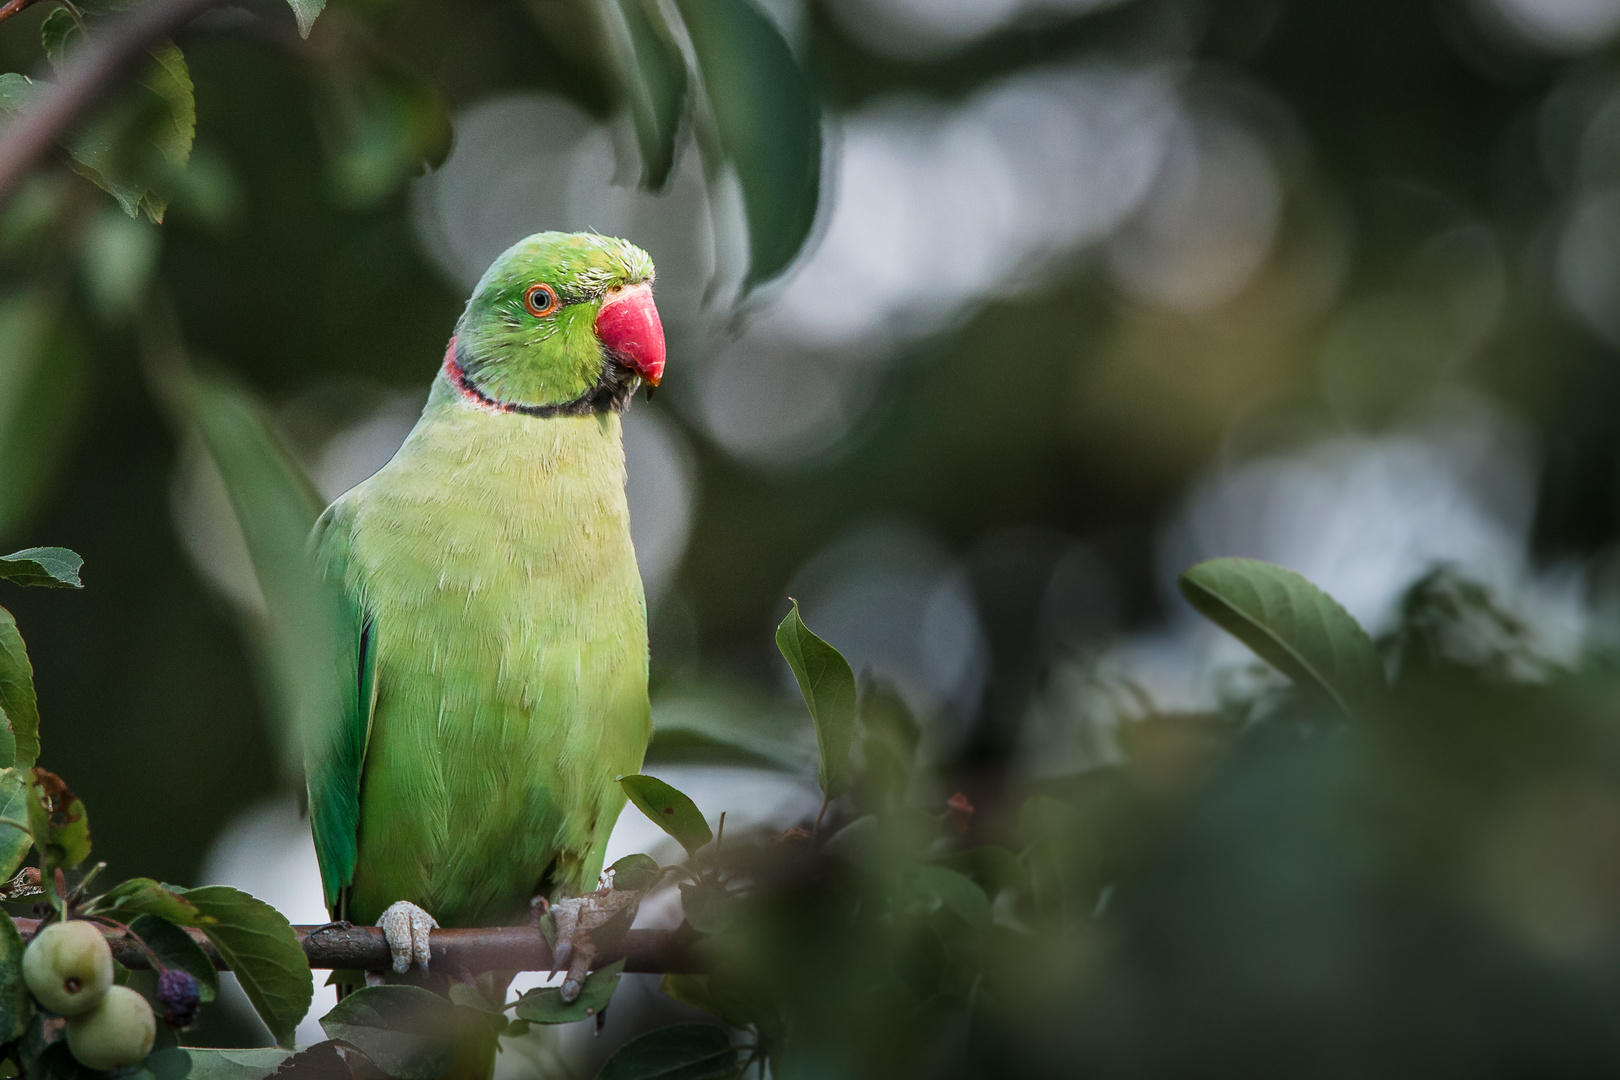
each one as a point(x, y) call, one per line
point(578, 920)
point(406, 927)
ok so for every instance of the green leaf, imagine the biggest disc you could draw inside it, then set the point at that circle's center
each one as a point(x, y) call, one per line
point(52, 567)
point(176, 949)
point(677, 1052)
point(145, 138)
point(1291, 624)
point(546, 1006)
point(305, 11)
point(767, 121)
point(669, 809)
point(709, 906)
point(828, 686)
point(260, 947)
point(381, 124)
point(143, 896)
point(16, 1005)
point(255, 1064)
point(14, 843)
point(405, 1030)
point(957, 892)
point(59, 822)
point(44, 364)
point(17, 692)
point(57, 34)
point(691, 990)
point(655, 86)
point(17, 92)
point(636, 873)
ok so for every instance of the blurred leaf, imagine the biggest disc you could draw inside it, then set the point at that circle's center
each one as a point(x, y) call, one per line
point(678, 1052)
point(957, 892)
point(655, 87)
point(16, 1004)
point(276, 507)
point(143, 896)
point(17, 92)
point(14, 843)
point(768, 123)
point(57, 34)
point(43, 365)
point(119, 256)
point(546, 1006)
point(636, 873)
point(17, 692)
point(1290, 623)
point(53, 567)
point(382, 125)
point(405, 1030)
point(263, 952)
point(720, 723)
point(828, 686)
point(709, 906)
point(253, 1064)
point(176, 949)
point(691, 990)
point(306, 11)
point(669, 809)
point(994, 868)
point(888, 745)
point(57, 816)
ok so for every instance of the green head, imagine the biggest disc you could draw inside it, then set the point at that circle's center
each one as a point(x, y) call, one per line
point(561, 323)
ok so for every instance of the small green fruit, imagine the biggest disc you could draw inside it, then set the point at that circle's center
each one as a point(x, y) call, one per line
point(68, 967)
point(117, 1032)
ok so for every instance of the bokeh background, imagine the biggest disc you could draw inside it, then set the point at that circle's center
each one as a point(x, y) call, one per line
point(1097, 288)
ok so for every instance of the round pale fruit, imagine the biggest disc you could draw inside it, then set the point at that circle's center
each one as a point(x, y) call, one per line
point(115, 1033)
point(68, 967)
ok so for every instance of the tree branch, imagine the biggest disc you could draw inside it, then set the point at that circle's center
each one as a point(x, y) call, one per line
point(497, 948)
point(90, 75)
point(12, 7)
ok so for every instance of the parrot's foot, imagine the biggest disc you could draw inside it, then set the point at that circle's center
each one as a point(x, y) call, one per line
point(406, 927)
point(577, 920)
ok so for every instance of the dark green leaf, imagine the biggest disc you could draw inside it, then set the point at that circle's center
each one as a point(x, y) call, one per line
point(143, 896)
point(678, 1052)
point(58, 819)
point(14, 842)
point(636, 873)
point(305, 11)
point(1294, 626)
point(382, 125)
point(828, 686)
point(957, 892)
point(57, 34)
point(260, 946)
point(145, 138)
point(17, 692)
point(655, 86)
point(46, 364)
point(406, 1030)
point(53, 567)
point(17, 92)
point(691, 990)
point(176, 949)
point(709, 906)
point(16, 1006)
point(546, 1006)
point(669, 809)
point(767, 121)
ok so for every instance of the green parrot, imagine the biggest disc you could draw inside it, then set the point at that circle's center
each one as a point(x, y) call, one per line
point(497, 630)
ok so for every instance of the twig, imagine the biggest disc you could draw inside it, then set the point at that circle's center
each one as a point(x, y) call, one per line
point(12, 7)
point(91, 73)
point(496, 948)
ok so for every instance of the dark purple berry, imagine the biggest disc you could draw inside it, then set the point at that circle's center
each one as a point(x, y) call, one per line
point(178, 997)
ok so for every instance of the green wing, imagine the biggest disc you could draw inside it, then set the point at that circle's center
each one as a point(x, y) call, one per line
point(335, 751)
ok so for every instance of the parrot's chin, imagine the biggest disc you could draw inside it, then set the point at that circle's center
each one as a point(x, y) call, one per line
point(629, 327)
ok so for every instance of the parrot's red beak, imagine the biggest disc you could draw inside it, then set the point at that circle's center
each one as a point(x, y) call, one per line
point(629, 326)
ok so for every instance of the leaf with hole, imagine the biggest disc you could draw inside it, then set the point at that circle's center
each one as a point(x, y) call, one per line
point(828, 686)
point(669, 809)
point(1291, 624)
point(59, 822)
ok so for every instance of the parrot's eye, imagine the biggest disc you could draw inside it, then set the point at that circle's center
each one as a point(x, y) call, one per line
point(541, 300)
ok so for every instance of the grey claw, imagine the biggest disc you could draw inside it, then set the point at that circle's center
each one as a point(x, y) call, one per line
point(570, 989)
point(407, 927)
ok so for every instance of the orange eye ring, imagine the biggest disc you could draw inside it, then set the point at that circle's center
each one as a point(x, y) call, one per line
point(541, 300)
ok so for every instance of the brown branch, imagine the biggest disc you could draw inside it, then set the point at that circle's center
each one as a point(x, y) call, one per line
point(497, 948)
point(89, 76)
point(11, 7)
